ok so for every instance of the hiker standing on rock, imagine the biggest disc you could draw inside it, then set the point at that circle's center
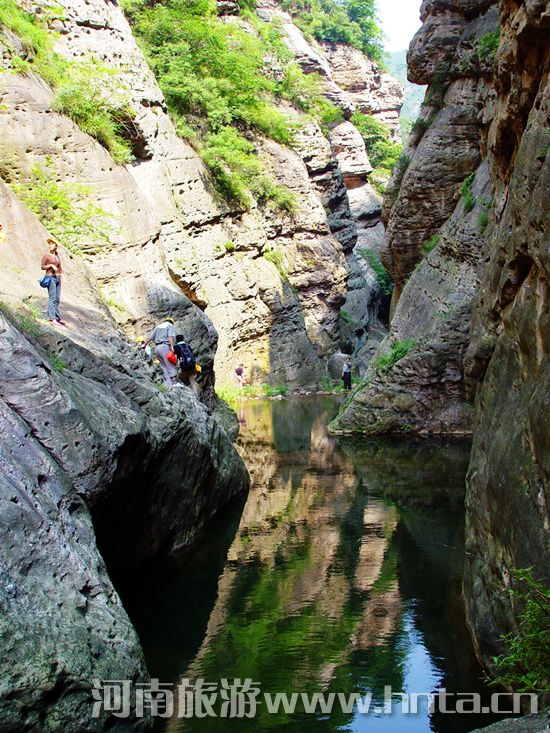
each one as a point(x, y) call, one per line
point(51, 264)
point(164, 337)
point(346, 373)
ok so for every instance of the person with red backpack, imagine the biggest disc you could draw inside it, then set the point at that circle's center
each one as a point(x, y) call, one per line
point(164, 337)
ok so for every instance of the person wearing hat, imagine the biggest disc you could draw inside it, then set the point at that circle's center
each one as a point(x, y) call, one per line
point(164, 336)
point(51, 264)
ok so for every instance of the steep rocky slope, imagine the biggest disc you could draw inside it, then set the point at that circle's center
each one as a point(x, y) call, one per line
point(87, 437)
point(270, 282)
point(468, 348)
point(435, 236)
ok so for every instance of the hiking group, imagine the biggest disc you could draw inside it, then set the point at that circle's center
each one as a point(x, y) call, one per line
point(176, 357)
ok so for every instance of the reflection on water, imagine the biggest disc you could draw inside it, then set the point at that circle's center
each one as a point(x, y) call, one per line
point(340, 574)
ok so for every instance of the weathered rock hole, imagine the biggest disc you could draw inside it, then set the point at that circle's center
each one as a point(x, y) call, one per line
point(518, 270)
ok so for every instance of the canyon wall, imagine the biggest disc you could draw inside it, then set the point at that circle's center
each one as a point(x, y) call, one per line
point(272, 283)
point(424, 391)
point(468, 350)
point(100, 469)
point(508, 358)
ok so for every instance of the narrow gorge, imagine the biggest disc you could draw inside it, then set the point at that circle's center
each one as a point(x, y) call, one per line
point(243, 170)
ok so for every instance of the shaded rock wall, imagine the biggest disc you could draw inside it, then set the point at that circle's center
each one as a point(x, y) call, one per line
point(508, 360)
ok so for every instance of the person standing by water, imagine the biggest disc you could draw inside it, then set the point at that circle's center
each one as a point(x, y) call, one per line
point(239, 371)
point(164, 337)
point(346, 373)
point(51, 264)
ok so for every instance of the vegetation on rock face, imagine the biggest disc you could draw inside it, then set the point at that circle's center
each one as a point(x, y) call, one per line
point(430, 244)
point(277, 258)
point(65, 209)
point(382, 275)
point(382, 151)
point(340, 21)
point(221, 82)
point(525, 666)
point(467, 193)
point(398, 350)
point(483, 217)
point(488, 46)
point(83, 92)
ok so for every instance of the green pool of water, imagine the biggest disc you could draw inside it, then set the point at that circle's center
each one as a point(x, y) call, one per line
point(341, 573)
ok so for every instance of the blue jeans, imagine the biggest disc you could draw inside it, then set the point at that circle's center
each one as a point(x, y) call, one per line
point(54, 295)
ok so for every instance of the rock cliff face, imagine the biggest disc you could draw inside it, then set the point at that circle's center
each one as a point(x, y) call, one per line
point(424, 391)
point(165, 215)
point(508, 359)
point(97, 465)
point(354, 84)
point(465, 243)
point(99, 468)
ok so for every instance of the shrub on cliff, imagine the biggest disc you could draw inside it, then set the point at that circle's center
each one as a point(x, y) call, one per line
point(382, 275)
point(525, 666)
point(382, 151)
point(398, 350)
point(80, 88)
point(221, 83)
point(64, 208)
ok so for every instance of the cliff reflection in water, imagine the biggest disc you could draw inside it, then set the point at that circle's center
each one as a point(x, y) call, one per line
point(343, 575)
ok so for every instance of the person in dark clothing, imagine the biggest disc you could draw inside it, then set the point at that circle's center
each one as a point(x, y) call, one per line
point(346, 373)
point(239, 371)
point(186, 362)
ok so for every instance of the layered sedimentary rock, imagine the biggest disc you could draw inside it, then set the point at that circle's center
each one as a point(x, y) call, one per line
point(424, 391)
point(508, 360)
point(359, 325)
point(352, 81)
point(165, 215)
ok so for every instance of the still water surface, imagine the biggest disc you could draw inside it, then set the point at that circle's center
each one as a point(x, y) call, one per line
point(341, 573)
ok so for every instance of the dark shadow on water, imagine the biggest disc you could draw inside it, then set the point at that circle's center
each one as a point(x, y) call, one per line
point(341, 573)
point(169, 601)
